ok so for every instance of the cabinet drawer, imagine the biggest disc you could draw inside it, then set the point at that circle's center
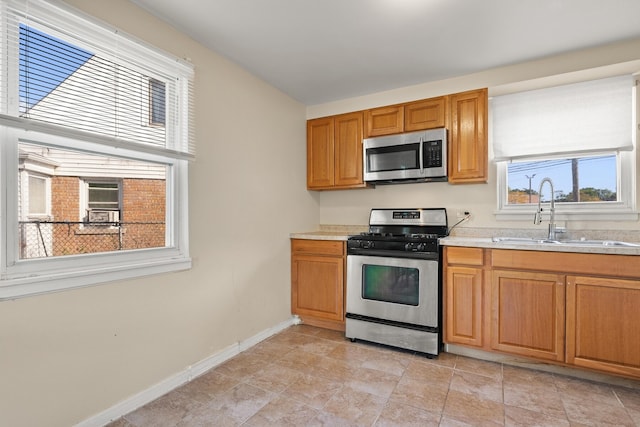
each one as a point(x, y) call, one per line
point(467, 256)
point(317, 247)
point(568, 262)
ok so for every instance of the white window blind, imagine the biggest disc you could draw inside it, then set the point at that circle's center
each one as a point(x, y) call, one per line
point(592, 116)
point(89, 79)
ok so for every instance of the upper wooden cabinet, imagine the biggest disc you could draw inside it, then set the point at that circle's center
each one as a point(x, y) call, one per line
point(320, 153)
point(468, 140)
point(334, 152)
point(463, 114)
point(413, 116)
point(334, 144)
point(384, 121)
point(426, 114)
point(348, 150)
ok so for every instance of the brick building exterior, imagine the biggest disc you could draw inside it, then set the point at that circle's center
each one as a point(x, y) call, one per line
point(141, 222)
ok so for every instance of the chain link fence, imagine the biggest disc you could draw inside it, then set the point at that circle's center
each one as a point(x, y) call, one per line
point(40, 239)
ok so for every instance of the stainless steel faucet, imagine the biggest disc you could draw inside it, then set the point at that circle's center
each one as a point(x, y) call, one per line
point(537, 219)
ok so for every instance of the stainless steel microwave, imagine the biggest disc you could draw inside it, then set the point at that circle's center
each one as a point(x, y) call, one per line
point(407, 157)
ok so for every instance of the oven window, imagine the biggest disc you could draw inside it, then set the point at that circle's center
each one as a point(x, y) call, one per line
point(398, 285)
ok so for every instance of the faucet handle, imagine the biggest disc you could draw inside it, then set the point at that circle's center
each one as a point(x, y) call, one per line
point(537, 217)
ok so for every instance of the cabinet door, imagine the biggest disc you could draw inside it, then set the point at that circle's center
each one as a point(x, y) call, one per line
point(527, 314)
point(603, 324)
point(426, 114)
point(320, 153)
point(317, 286)
point(384, 120)
point(317, 282)
point(348, 150)
point(468, 149)
point(463, 305)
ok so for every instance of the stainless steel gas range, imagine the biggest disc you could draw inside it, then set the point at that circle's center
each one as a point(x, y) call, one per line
point(394, 280)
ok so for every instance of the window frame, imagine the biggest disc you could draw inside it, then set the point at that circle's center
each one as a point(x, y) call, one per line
point(85, 184)
point(622, 210)
point(24, 277)
point(47, 195)
point(21, 277)
point(625, 209)
point(87, 190)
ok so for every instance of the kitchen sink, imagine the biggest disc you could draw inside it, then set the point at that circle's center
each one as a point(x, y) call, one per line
point(580, 242)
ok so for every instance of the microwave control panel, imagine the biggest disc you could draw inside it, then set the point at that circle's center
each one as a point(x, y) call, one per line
point(432, 154)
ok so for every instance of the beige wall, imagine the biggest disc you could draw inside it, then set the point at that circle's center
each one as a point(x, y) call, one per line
point(353, 206)
point(67, 356)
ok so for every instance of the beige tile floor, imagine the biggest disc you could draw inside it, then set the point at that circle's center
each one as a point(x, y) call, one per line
point(306, 376)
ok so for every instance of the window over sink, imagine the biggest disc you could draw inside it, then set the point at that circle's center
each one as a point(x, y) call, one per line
point(579, 179)
point(582, 136)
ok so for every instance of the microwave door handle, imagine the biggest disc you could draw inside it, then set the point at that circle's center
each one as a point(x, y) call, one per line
point(421, 157)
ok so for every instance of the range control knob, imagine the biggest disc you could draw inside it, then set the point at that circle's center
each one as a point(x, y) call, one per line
point(409, 247)
point(368, 244)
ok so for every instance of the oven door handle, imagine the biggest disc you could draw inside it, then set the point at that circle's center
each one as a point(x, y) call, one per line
point(394, 254)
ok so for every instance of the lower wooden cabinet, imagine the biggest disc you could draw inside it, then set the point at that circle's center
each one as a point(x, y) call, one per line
point(527, 314)
point(317, 282)
point(573, 309)
point(464, 296)
point(603, 324)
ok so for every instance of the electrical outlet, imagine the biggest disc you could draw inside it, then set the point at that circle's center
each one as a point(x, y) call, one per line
point(461, 213)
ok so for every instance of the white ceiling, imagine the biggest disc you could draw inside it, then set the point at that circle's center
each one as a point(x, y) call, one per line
point(324, 50)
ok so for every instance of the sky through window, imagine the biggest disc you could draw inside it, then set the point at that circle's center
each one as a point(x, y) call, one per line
point(45, 62)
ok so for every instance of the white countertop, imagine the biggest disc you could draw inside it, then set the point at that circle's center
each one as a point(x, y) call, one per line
point(331, 232)
point(471, 237)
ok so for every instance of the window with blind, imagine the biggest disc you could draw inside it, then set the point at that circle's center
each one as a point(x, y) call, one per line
point(581, 136)
point(103, 124)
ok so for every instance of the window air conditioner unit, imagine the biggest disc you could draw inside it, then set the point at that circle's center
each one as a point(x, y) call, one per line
point(103, 216)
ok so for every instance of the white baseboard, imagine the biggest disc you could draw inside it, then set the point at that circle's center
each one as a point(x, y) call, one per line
point(180, 378)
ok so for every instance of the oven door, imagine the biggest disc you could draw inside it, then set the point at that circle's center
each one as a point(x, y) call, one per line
point(393, 289)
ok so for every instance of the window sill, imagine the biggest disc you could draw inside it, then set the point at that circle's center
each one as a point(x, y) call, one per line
point(39, 217)
point(57, 281)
